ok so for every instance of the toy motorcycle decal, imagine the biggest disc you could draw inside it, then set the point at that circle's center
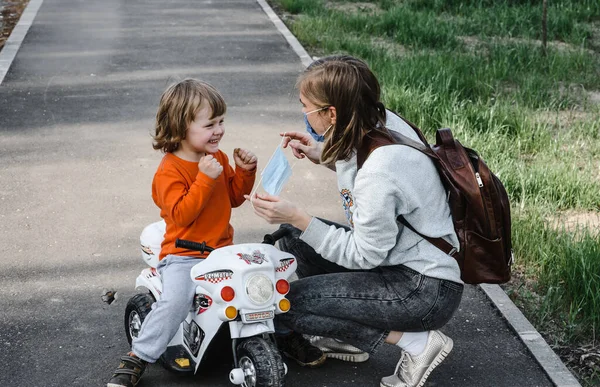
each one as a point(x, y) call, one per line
point(215, 276)
point(285, 264)
point(147, 249)
point(255, 257)
point(204, 302)
point(193, 336)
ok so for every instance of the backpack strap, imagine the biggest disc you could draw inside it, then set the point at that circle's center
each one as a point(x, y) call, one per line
point(414, 127)
point(443, 137)
point(437, 242)
point(370, 143)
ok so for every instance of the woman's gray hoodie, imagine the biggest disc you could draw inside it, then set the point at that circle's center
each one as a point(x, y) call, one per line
point(394, 180)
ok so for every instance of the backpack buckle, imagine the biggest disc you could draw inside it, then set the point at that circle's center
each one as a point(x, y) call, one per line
point(452, 252)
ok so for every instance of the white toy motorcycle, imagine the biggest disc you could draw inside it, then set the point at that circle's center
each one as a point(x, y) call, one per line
point(243, 285)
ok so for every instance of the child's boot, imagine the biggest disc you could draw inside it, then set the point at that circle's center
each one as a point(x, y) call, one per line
point(129, 372)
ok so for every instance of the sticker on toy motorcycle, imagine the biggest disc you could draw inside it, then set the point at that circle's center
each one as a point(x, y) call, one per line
point(193, 336)
point(202, 302)
point(147, 250)
point(214, 277)
point(258, 316)
point(256, 257)
point(285, 264)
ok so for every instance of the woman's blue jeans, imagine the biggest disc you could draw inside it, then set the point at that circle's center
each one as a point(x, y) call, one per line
point(361, 307)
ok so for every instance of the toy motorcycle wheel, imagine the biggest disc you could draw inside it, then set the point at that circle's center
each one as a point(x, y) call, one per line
point(136, 311)
point(261, 363)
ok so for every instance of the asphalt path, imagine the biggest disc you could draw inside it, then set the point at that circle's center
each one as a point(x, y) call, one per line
point(76, 164)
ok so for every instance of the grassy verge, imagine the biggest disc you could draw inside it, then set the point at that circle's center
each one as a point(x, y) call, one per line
point(10, 12)
point(477, 66)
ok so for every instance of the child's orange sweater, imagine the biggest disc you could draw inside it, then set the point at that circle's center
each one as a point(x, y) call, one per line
point(195, 206)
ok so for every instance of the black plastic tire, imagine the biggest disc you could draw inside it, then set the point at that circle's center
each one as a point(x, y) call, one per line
point(139, 305)
point(266, 360)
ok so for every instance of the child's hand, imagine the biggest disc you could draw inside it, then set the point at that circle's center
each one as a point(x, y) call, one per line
point(245, 159)
point(210, 166)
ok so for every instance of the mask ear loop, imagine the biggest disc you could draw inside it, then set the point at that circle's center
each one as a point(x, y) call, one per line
point(261, 173)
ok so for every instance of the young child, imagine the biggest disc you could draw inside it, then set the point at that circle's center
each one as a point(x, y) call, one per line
point(195, 189)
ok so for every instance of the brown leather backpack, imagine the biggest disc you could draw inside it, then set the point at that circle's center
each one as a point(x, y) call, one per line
point(478, 203)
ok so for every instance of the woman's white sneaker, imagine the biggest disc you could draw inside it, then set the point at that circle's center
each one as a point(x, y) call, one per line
point(413, 371)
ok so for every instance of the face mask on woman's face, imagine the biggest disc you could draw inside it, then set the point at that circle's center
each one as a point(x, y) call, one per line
point(309, 128)
point(312, 132)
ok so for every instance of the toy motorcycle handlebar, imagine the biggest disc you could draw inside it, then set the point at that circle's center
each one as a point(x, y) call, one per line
point(202, 247)
point(191, 245)
point(274, 237)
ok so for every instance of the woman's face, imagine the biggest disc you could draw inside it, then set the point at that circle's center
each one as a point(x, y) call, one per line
point(316, 115)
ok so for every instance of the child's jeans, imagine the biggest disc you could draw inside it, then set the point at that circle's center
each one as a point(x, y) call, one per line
point(162, 322)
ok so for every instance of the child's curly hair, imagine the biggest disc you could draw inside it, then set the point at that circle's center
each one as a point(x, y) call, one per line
point(178, 107)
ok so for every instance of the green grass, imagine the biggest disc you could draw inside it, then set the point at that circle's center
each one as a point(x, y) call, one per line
point(568, 270)
point(478, 68)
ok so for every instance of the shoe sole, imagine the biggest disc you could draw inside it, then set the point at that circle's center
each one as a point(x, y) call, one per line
point(313, 364)
point(349, 357)
point(436, 362)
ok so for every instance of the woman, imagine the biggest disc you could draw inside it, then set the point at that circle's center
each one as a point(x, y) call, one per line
point(376, 281)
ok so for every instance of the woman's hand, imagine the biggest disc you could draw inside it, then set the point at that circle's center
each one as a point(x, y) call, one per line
point(303, 145)
point(245, 159)
point(275, 210)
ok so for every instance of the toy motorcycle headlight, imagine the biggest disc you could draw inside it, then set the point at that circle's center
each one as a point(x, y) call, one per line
point(259, 289)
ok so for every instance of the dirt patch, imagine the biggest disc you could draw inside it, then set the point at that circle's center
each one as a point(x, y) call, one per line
point(474, 43)
point(562, 119)
point(353, 8)
point(393, 48)
point(595, 40)
point(577, 221)
point(10, 12)
point(471, 43)
point(594, 97)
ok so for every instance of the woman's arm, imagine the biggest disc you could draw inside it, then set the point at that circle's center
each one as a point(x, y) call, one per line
point(277, 211)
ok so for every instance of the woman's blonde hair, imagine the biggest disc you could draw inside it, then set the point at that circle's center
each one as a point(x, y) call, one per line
point(178, 107)
point(347, 84)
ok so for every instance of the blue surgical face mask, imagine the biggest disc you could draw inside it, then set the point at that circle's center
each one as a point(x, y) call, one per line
point(276, 173)
point(312, 132)
point(309, 128)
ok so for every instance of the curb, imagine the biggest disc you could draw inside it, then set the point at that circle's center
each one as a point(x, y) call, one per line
point(541, 351)
point(14, 41)
point(535, 343)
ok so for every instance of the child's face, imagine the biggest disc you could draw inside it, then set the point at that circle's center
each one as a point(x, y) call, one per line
point(204, 134)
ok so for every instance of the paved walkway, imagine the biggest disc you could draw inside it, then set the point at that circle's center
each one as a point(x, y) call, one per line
point(76, 110)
